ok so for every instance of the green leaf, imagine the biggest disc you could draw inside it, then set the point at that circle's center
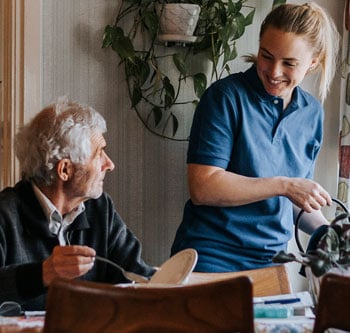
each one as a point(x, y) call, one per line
point(228, 32)
point(240, 26)
point(278, 2)
point(107, 36)
point(203, 44)
point(199, 84)
point(249, 18)
point(157, 114)
point(151, 22)
point(228, 69)
point(222, 15)
point(283, 257)
point(234, 7)
point(319, 266)
point(122, 44)
point(175, 123)
point(169, 92)
point(142, 70)
point(136, 95)
point(329, 243)
point(230, 53)
point(137, 68)
point(179, 62)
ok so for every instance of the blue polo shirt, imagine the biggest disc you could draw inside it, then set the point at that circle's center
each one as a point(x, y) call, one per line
point(237, 126)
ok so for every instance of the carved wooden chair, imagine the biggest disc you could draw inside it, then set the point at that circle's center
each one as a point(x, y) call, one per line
point(268, 281)
point(89, 307)
point(332, 310)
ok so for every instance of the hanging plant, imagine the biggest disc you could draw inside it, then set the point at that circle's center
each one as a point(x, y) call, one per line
point(331, 251)
point(156, 86)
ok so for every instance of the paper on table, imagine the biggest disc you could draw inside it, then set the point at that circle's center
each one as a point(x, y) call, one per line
point(300, 302)
point(304, 297)
point(34, 313)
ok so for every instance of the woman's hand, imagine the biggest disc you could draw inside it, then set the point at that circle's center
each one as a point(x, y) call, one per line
point(307, 194)
point(68, 262)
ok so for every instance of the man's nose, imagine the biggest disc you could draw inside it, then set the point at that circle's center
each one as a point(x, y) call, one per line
point(108, 165)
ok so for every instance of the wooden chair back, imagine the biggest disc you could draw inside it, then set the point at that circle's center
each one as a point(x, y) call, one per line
point(89, 307)
point(332, 310)
point(268, 281)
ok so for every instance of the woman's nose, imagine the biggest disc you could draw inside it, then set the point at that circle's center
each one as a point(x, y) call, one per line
point(276, 70)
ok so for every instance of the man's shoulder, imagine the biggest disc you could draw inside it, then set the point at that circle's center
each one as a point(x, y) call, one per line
point(103, 207)
point(14, 193)
point(18, 201)
point(19, 197)
point(103, 201)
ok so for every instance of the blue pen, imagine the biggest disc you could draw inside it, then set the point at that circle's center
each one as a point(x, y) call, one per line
point(283, 301)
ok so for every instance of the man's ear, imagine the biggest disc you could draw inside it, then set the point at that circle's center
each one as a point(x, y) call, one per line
point(65, 169)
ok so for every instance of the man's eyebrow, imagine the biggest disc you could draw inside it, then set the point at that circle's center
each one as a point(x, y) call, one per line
point(99, 148)
point(288, 59)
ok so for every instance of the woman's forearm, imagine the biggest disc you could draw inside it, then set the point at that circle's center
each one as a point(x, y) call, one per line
point(215, 186)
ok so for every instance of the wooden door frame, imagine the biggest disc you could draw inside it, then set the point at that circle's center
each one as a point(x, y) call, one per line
point(21, 24)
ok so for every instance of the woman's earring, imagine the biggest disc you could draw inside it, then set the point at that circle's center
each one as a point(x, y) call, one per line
point(311, 68)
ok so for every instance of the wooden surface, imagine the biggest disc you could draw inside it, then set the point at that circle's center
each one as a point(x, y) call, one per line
point(28, 324)
point(18, 329)
point(266, 281)
point(332, 310)
point(216, 306)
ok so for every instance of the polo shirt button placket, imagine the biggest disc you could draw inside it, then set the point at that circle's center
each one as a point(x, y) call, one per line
point(277, 136)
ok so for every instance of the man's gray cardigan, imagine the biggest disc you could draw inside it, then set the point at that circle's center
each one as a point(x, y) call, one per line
point(26, 241)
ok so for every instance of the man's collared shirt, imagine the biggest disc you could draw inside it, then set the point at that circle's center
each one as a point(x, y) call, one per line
point(58, 224)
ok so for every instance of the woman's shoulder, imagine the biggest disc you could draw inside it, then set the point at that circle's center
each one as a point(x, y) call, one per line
point(232, 80)
point(305, 98)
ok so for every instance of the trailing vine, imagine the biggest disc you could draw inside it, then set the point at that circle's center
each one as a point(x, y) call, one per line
point(159, 77)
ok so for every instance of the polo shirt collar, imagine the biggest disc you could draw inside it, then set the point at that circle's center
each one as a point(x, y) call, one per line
point(298, 100)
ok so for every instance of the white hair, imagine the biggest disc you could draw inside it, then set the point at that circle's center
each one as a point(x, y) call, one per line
point(61, 130)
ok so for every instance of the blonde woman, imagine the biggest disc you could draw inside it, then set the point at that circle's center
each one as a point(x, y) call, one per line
point(253, 146)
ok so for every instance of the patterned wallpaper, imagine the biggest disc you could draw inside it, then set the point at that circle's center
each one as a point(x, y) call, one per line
point(344, 135)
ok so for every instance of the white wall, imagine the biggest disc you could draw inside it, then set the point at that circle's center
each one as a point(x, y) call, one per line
point(326, 172)
point(149, 183)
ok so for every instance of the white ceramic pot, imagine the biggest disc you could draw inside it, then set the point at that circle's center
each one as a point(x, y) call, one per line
point(177, 21)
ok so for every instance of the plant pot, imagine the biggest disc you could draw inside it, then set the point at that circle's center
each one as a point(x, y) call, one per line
point(177, 22)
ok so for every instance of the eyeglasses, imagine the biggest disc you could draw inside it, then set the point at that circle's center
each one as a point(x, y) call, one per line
point(10, 309)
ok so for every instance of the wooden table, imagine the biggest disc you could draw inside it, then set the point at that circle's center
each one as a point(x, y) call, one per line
point(17, 329)
point(21, 325)
point(261, 325)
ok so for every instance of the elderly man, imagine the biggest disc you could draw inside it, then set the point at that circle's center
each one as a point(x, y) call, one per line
point(57, 218)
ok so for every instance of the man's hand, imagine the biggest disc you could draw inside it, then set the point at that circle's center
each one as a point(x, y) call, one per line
point(68, 262)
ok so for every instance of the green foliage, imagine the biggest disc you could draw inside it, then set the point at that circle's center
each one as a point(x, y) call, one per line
point(333, 249)
point(221, 23)
point(278, 2)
